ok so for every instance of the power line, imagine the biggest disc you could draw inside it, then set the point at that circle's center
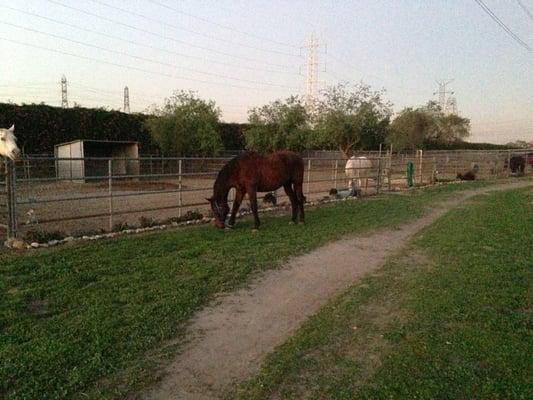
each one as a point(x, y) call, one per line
point(113, 21)
point(525, 9)
point(104, 95)
point(210, 37)
point(148, 46)
point(230, 28)
point(146, 59)
point(502, 25)
point(372, 76)
point(128, 66)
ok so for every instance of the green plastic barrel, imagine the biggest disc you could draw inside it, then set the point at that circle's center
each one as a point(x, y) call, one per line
point(410, 173)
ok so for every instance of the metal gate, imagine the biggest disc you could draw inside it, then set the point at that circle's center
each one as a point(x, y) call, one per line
point(8, 220)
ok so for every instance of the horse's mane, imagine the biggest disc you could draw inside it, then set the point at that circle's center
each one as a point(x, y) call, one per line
point(225, 173)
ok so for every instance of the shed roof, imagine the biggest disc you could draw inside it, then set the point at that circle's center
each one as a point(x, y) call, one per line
point(98, 141)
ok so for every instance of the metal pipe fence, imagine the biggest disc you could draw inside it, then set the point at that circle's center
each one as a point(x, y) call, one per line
point(78, 195)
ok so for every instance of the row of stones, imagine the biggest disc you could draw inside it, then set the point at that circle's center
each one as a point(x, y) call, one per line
point(20, 244)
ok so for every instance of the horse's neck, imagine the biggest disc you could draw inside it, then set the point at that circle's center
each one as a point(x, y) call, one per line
point(221, 191)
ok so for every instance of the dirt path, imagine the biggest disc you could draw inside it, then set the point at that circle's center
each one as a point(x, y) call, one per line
point(231, 338)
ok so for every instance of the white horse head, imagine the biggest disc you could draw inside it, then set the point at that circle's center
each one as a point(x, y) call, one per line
point(8, 143)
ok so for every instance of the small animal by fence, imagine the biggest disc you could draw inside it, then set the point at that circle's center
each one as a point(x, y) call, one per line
point(343, 193)
point(250, 173)
point(358, 169)
point(270, 198)
point(469, 175)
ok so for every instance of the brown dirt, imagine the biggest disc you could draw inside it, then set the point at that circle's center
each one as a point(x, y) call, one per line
point(229, 340)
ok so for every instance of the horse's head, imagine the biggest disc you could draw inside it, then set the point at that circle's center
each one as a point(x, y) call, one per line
point(8, 143)
point(220, 211)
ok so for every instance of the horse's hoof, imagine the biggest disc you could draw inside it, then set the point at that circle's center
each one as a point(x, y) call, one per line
point(228, 228)
point(255, 230)
point(292, 223)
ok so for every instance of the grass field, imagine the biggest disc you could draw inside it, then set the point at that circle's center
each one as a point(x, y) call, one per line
point(449, 318)
point(87, 320)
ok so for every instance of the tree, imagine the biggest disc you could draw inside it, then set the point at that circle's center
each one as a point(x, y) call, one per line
point(426, 126)
point(350, 118)
point(409, 129)
point(278, 125)
point(446, 128)
point(186, 125)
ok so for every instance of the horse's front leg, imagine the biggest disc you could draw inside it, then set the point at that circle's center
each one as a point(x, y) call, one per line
point(252, 193)
point(239, 194)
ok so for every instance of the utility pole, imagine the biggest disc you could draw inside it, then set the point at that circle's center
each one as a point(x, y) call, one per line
point(442, 93)
point(126, 100)
point(64, 99)
point(312, 73)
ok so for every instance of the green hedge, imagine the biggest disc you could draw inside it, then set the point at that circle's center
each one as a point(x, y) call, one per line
point(460, 145)
point(39, 127)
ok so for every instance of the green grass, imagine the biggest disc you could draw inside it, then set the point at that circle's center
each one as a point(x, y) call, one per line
point(88, 320)
point(449, 318)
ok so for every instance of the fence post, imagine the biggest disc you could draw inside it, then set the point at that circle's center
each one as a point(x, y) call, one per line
point(180, 198)
point(508, 163)
point(110, 191)
point(335, 175)
point(434, 172)
point(389, 169)
point(308, 176)
point(11, 199)
point(378, 181)
point(420, 175)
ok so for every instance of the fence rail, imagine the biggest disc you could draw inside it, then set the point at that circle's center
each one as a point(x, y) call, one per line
point(76, 195)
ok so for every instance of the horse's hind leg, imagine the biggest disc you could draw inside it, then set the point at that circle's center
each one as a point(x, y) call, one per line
point(293, 199)
point(239, 194)
point(298, 188)
point(252, 193)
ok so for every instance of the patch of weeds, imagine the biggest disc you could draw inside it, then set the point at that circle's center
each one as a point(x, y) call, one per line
point(190, 215)
point(88, 232)
point(147, 222)
point(122, 226)
point(40, 236)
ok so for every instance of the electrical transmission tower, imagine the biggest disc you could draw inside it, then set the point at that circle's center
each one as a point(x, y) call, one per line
point(312, 73)
point(64, 99)
point(442, 94)
point(451, 105)
point(126, 100)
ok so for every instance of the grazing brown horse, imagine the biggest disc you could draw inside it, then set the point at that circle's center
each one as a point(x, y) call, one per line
point(251, 173)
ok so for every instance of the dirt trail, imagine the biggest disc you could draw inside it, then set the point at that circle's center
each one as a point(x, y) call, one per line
point(231, 338)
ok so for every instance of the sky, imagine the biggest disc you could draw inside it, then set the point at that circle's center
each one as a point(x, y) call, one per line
point(244, 54)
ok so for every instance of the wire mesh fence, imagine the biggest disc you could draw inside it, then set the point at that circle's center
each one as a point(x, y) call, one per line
point(78, 196)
